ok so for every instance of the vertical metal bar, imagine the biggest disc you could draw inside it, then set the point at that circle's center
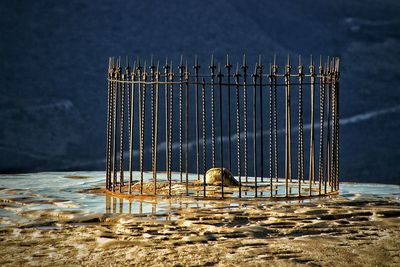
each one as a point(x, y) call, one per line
point(300, 150)
point(156, 127)
point(311, 178)
point(333, 151)
point(166, 104)
point(203, 105)
point(271, 127)
point(196, 74)
point(260, 70)
point(337, 122)
point(237, 75)
point(328, 131)
point(255, 75)
point(321, 124)
point(180, 118)
point(212, 77)
point(132, 124)
point(221, 154)
point(228, 77)
point(152, 78)
point(122, 120)
point(109, 92)
point(142, 125)
point(115, 129)
point(171, 119)
point(275, 118)
point(288, 152)
point(245, 67)
point(187, 127)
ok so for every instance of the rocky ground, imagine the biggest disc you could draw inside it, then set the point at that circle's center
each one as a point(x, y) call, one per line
point(337, 231)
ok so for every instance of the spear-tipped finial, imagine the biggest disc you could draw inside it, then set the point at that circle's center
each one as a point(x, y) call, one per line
point(119, 62)
point(270, 68)
point(109, 63)
point(299, 60)
point(274, 59)
point(166, 66)
point(288, 59)
point(158, 67)
point(311, 60)
point(228, 64)
point(320, 61)
point(138, 63)
point(181, 63)
point(144, 67)
point(244, 63)
point(219, 70)
point(255, 70)
point(212, 66)
point(237, 69)
point(134, 65)
point(196, 63)
point(260, 65)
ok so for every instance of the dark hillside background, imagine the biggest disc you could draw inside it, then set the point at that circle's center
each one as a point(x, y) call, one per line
point(54, 55)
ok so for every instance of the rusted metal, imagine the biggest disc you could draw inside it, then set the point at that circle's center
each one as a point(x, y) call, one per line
point(121, 96)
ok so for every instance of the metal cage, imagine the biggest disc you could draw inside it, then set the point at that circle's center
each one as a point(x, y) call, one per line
point(173, 124)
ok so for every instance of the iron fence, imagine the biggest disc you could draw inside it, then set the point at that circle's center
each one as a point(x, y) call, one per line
point(231, 114)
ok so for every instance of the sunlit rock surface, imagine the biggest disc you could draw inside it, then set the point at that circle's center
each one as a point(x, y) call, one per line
point(46, 219)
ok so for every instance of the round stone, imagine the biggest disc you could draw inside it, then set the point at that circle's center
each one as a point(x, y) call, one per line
point(213, 177)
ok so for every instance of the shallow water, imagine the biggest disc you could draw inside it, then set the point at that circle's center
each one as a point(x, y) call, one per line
point(54, 195)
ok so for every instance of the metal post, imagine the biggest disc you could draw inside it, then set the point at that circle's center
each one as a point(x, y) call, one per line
point(311, 178)
point(237, 75)
point(131, 125)
point(187, 127)
point(328, 130)
point(108, 149)
point(255, 75)
point(166, 73)
point(275, 118)
point(271, 127)
point(300, 150)
point(203, 105)
point(260, 70)
point(152, 78)
point(245, 67)
point(212, 70)
point(180, 118)
point(288, 150)
point(122, 116)
point(220, 75)
point(171, 119)
point(196, 74)
point(142, 125)
point(156, 127)
point(228, 77)
point(115, 129)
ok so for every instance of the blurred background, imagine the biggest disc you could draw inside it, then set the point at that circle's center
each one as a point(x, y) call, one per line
point(54, 56)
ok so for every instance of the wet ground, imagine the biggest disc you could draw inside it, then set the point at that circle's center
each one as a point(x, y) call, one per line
point(45, 219)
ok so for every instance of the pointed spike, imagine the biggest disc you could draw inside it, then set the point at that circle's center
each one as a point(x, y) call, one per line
point(134, 64)
point(127, 62)
point(138, 63)
point(158, 66)
point(270, 68)
point(237, 68)
point(320, 61)
point(186, 66)
point(119, 62)
point(166, 61)
point(212, 60)
point(288, 59)
point(299, 60)
point(196, 62)
point(244, 61)
point(144, 68)
point(151, 61)
point(311, 60)
point(219, 68)
point(274, 59)
point(260, 61)
point(181, 62)
point(171, 66)
point(227, 60)
point(255, 69)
